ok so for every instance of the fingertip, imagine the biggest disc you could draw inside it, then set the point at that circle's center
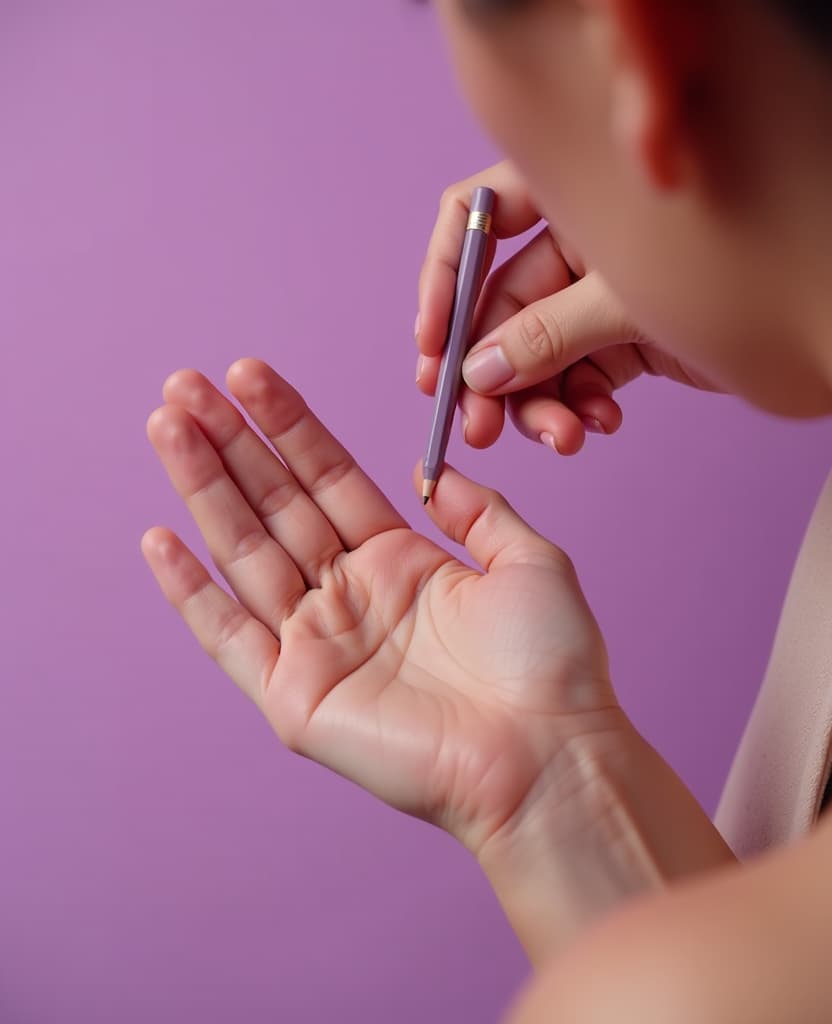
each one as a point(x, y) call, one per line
point(146, 542)
point(236, 370)
point(425, 500)
point(427, 374)
point(155, 421)
point(170, 425)
point(615, 418)
point(252, 381)
point(245, 367)
point(553, 426)
point(565, 443)
point(600, 414)
point(482, 419)
point(447, 478)
point(157, 544)
point(573, 444)
point(487, 370)
point(190, 390)
point(431, 342)
point(170, 382)
point(478, 438)
point(433, 506)
point(176, 382)
point(570, 435)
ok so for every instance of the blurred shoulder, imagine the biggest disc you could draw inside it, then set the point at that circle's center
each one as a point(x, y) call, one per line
point(747, 943)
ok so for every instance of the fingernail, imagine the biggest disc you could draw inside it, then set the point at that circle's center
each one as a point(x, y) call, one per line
point(465, 422)
point(593, 425)
point(420, 368)
point(549, 440)
point(417, 325)
point(488, 370)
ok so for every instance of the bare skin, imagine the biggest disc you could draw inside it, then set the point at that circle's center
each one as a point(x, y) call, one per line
point(441, 689)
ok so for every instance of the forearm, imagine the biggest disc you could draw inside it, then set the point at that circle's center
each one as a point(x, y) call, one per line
point(609, 821)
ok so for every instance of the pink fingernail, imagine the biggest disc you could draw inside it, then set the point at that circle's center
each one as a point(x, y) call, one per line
point(420, 368)
point(488, 370)
point(593, 425)
point(465, 422)
point(549, 440)
point(417, 326)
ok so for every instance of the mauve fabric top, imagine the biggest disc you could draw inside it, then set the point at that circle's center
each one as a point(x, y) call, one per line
point(780, 778)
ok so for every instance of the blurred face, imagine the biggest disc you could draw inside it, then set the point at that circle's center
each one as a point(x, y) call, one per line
point(673, 211)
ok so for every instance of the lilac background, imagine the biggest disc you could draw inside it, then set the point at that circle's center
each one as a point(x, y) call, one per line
point(171, 174)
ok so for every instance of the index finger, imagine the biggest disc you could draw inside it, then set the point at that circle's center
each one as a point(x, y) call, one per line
point(513, 214)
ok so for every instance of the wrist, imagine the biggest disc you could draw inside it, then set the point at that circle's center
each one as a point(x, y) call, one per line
point(606, 820)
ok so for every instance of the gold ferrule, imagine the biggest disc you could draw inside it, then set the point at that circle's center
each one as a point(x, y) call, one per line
point(479, 222)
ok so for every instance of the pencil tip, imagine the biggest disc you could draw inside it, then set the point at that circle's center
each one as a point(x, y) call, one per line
point(427, 490)
point(425, 500)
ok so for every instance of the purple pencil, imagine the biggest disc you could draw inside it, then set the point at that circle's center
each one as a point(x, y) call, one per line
point(468, 283)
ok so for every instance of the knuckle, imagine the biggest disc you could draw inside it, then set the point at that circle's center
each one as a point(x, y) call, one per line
point(290, 416)
point(490, 512)
point(247, 544)
point(542, 335)
point(331, 475)
point(228, 626)
point(276, 499)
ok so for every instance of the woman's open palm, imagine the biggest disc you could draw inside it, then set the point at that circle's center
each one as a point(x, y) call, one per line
point(443, 690)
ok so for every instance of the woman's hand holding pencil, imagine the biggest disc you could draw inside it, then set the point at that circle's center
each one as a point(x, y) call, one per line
point(551, 342)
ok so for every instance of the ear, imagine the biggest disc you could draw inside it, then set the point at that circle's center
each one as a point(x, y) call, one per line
point(659, 54)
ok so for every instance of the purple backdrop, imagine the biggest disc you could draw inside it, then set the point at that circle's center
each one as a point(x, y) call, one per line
point(168, 182)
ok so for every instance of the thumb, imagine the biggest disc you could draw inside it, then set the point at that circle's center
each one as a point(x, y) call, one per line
point(483, 521)
point(546, 337)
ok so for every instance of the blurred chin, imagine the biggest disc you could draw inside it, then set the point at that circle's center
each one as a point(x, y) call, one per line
point(802, 402)
point(777, 387)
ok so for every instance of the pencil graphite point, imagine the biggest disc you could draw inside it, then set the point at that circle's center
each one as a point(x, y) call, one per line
point(427, 490)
